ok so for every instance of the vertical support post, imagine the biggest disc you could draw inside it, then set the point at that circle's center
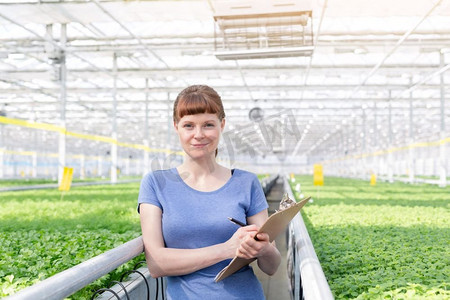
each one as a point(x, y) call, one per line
point(354, 170)
point(390, 141)
point(100, 165)
point(113, 169)
point(340, 164)
point(146, 131)
point(2, 147)
point(375, 161)
point(375, 125)
point(34, 165)
point(169, 123)
point(63, 92)
point(344, 150)
point(82, 166)
point(1, 164)
point(344, 141)
point(14, 163)
point(137, 167)
point(364, 137)
point(364, 130)
point(127, 165)
point(411, 152)
point(442, 146)
point(34, 170)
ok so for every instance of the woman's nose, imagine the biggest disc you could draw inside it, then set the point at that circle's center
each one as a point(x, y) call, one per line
point(199, 133)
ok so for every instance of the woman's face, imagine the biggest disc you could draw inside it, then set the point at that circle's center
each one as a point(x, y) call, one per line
point(199, 134)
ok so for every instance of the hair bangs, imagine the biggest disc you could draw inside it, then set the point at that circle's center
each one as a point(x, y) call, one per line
point(196, 103)
point(198, 99)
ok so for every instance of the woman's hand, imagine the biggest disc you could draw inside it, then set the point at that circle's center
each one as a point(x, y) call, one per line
point(254, 248)
point(243, 244)
point(239, 237)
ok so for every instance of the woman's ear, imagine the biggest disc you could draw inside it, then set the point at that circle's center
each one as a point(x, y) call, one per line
point(175, 125)
point(222, 124)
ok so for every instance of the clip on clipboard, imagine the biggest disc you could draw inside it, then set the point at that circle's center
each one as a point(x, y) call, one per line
point(273, 226)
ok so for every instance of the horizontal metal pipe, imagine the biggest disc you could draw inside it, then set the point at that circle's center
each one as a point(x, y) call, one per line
point(49, 91)
point(71, 280)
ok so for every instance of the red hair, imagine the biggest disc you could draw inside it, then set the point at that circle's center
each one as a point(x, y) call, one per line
point(197, 99)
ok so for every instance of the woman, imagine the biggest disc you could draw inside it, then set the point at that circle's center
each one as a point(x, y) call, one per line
point(184, 211)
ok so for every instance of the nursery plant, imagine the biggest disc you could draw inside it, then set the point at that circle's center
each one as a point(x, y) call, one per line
point(388, 241)
point(44, 232)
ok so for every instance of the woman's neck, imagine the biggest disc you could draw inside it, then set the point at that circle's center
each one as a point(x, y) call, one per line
point(204, 176)
point(199, 168)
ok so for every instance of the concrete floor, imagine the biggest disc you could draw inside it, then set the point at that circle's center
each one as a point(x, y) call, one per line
point(276, 286)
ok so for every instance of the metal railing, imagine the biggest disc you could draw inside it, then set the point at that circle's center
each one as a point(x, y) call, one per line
point(307, 280)
point(71, 280)
point(268, 182)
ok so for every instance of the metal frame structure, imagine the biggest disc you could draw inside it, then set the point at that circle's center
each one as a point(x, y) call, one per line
point(71, 280)
point(375, 80)
point(262, 29)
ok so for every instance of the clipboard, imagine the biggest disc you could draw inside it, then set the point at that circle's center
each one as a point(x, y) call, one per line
point(273, 226)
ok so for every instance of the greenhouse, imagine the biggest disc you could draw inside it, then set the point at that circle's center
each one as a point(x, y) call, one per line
point(345, 102)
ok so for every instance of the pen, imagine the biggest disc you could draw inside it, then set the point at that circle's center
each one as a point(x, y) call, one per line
point(240, 224)
point(237, 222)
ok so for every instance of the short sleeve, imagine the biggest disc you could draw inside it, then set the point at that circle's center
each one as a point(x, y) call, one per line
point(258, 200)
point(147, 191)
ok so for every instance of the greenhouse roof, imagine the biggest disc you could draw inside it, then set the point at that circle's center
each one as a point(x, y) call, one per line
point(373, 76)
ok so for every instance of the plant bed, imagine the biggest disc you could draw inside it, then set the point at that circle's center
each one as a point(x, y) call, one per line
point(388, 241)
point(43, 233)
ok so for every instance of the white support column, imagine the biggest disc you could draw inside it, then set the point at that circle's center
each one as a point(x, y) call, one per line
point(100, 165)
point(34, 165)
point(376, 161)
point(146, 167)
point(127, 166)
point(375, 127)
point(364, 133)
point(442, 156)
point(169, 122)
point(442, 165)
point(390, 158)
point(82, 166)
point(62, 80)
point(431, 162)
point(2, 147)
point(113, 169)
point(2, 174)
point(411, 165)
point(61, 154)
point(377, 165)
point(355, 139)
point(137, 167)
point(365, 159)
point(411, 152)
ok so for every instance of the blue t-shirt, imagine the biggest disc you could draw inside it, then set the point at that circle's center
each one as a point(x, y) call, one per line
point(195, 219)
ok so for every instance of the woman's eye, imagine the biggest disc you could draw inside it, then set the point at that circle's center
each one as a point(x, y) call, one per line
point(187, 126)
point(209, 125)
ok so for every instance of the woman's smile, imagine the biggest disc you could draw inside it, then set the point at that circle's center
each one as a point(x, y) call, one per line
point(200, 145)
point(199, 134)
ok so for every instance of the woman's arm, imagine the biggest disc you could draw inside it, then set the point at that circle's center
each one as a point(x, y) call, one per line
point(268, 256)
point(164, 261)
